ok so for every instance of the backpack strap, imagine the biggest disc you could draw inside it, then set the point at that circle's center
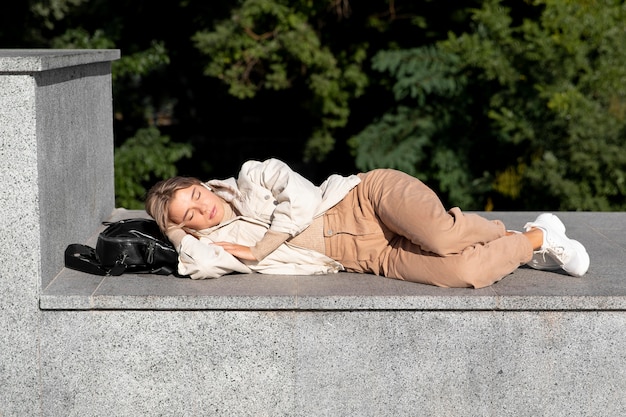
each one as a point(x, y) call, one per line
point(165, 270)
point(83, 258)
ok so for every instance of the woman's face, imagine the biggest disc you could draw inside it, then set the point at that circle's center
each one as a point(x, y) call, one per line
point(196, 207)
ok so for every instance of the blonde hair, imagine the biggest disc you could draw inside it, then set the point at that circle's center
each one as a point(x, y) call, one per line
point(160, 195)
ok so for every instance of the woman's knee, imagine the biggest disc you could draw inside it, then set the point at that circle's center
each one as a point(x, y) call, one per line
point(441, 246)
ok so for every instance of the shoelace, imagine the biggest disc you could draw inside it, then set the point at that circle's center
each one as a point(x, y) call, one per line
point(558, 251)
point(546, 258)
point(543, 254)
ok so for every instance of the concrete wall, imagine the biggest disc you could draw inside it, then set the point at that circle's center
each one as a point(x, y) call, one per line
point(56, 154)
point(72, 344)
point(341, 363)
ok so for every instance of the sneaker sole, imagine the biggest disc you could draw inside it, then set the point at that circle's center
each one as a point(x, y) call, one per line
point(542, 264)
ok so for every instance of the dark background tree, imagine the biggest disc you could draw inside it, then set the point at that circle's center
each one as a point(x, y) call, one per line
point(495, 104)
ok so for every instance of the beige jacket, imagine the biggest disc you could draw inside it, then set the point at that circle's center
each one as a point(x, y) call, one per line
point(269, 196)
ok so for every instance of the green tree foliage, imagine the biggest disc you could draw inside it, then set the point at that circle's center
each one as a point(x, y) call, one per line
point(135, 166)
point(525, 110)
point(419, 136)
point(52, 11)
point(271, 44)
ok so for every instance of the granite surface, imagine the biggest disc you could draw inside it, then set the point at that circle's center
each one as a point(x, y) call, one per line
point(36, 60)
point(55, 143)
point(333, 363)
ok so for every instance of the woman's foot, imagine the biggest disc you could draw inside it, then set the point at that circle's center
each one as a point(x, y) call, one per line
point(557, 250)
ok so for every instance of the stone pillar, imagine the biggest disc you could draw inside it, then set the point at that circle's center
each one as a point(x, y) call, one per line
point(56, 174)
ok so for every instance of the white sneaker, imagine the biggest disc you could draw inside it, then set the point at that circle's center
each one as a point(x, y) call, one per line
point(557, 251)
point(541, 260)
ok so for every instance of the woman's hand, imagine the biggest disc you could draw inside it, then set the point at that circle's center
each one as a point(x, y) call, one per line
point(238, 251)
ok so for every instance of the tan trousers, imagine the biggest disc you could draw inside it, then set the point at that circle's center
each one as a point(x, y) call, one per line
point(393, 225)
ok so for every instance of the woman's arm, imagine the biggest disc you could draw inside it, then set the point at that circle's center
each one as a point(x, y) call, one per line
point(295, 202)
point(296, 198)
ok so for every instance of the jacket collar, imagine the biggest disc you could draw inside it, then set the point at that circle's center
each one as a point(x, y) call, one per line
point(226, 189)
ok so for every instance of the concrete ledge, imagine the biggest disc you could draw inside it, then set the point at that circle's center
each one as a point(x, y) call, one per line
point(603, 288)
point(35, 60)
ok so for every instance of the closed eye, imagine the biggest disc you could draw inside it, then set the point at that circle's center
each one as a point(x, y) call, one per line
point(195, 195)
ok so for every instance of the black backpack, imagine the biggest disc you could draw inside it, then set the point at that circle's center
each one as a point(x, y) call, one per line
point(133, 246)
